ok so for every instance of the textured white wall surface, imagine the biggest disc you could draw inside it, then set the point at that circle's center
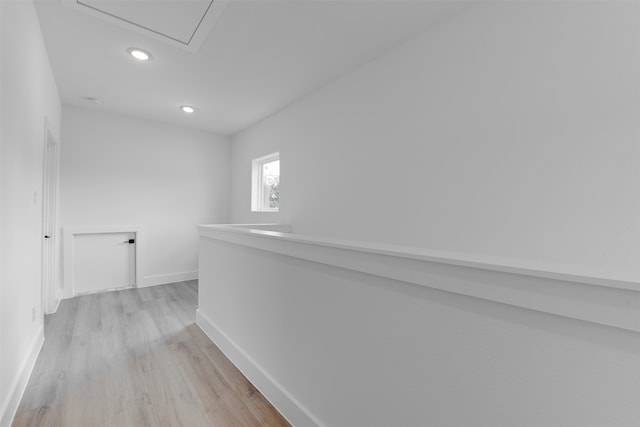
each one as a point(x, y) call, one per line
point(29, 95)
point(337, 347)
point(117, 170)
point(509, 130)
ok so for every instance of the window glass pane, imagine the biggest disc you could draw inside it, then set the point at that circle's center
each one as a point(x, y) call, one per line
point(270, 182)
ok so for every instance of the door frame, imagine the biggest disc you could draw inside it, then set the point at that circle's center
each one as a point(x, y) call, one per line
point(70, 233)
point(50, 245)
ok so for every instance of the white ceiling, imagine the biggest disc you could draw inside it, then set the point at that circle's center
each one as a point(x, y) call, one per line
point(176, 20)
point(182, 23)
point(260, 55)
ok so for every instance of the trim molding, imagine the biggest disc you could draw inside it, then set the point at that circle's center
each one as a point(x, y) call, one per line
point(56, 305)
point(574, 294)
point(10, 406)
point(162, 279)
point(291, 409)
point(282, 228)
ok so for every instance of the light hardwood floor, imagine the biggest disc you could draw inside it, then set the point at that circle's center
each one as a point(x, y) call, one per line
point(136, 358)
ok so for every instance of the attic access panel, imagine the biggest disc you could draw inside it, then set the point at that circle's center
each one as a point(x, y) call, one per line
point(182, 23)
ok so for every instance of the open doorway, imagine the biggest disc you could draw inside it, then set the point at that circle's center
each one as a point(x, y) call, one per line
point(50, 239)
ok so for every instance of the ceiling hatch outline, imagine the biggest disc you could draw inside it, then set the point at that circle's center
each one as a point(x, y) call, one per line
point(186, 43)
point(196, 38)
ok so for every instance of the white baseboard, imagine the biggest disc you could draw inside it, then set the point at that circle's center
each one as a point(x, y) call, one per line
point(10, 406)
point(57, 304)
point(295, 413)
point(163, 279)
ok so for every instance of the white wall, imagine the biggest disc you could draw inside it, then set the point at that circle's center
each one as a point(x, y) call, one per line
point(353, 349)
point(510, 130)
point(29, 94)
point(117, 170)
point(3, 393)
point(2, 385)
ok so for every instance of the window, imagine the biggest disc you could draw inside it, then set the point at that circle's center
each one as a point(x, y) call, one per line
point(265, 187)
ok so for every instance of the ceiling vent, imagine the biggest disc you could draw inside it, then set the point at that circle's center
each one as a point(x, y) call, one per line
point(182, 23)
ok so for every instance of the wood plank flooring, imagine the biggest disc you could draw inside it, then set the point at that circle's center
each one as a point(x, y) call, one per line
point(136, 358)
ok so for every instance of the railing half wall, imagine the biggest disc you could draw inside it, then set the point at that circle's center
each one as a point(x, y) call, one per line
point(313, 321)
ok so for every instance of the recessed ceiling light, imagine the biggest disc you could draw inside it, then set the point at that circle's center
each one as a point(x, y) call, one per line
point(187, 109)
point(139, 54)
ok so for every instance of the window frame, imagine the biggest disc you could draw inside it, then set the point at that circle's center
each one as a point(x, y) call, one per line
point(257, 190)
